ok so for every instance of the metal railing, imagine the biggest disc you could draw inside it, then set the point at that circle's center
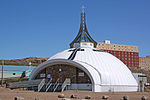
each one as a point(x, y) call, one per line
point(40, 86)
point(66, 82)
point(48, 85)
point(56, 85)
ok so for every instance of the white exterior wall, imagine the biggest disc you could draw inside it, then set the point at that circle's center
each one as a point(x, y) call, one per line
point(80, 87)
point(10, 75)
point(83, 45)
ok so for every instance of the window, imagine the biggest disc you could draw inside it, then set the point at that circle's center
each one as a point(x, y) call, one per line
point(71, 50)
point(97, 50)
point(80, 49)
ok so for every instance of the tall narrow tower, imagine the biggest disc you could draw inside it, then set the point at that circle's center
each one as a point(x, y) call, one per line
point(83, 39)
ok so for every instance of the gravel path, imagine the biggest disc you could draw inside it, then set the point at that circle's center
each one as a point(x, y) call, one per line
point(7, 94)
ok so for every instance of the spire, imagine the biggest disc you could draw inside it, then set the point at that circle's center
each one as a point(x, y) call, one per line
point(83, 8)
point(83, 19)
point(83, 35)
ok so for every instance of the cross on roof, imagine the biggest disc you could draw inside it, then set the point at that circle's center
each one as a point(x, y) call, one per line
point(83, 7)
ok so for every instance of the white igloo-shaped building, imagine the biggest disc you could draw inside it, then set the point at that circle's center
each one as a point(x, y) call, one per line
point(87, 68)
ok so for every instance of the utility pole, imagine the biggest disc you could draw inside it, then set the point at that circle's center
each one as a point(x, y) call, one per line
point(2, 78)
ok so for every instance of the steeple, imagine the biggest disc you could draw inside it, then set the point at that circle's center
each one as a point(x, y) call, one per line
point(83, 39)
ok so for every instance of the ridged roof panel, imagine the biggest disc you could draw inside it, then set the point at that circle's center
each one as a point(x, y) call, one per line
point(112, 70)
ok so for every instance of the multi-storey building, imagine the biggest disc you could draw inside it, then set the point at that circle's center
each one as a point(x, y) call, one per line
point(127, 54)
point(148, 56)
point(144, 62)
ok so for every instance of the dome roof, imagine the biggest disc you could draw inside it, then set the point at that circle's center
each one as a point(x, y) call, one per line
point(106, 68)
point(107, 73)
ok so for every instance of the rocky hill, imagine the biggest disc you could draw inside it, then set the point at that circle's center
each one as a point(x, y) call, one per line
point(25, 61)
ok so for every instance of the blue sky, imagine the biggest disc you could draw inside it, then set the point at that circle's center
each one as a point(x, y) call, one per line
point(41, 28)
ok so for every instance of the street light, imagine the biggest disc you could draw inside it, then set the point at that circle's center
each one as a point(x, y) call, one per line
point(30, 63)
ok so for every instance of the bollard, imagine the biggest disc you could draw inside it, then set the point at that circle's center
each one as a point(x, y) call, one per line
point(61, 96)
point(143, 98)
point(65, 99)
point(18, 98)
point(105, 97)
point(74, 96)
point(125, 98)
point(88, 97)
point(38, 99)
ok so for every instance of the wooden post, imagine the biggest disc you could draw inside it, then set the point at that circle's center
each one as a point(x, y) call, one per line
point(2, 78)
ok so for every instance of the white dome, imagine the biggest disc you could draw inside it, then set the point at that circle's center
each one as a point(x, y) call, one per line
point(106, 72)
point(106, 69)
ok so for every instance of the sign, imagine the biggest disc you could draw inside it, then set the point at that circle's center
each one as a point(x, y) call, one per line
point(48, 76)
point(42, 75)
point(81, 74)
